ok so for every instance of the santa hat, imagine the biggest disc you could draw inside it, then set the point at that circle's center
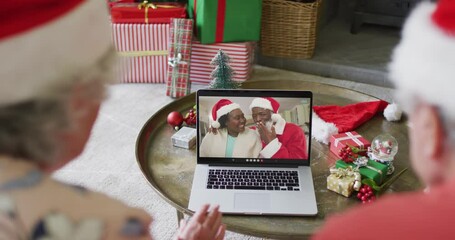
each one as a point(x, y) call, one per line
point(267, 103)
point(222, 107)
point(330, 120)
point(424, 60)
point(46, 41)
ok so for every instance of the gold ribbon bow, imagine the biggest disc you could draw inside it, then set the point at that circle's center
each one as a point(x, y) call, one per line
point(348, 172)
point(146, 5)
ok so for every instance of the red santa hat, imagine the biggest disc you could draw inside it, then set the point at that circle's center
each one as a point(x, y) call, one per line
point(46, 41)
point(424, 60)
point(222, 107)
point(267, 103)
point(330, 120)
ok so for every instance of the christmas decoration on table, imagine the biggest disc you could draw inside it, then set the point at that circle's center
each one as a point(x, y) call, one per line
point(219, 21)
point(332, 119)
point(240, 53)
point(222, 74)
point(349, 154)
point(143, 51)
point(344, 180)
point(178, 84)
point(367, 168)
point(383, 149)
point(175, 119)
point(348, 145)
point(366, 194)
point(190, 117)
point(146, 12)
point(184, 138)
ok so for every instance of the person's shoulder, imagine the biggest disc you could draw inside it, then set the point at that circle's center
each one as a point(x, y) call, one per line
point(77, 206)
point(396, 211)
point(292, 127)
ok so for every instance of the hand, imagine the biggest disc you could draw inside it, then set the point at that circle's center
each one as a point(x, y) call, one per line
point(266, 135)
point(203, 225)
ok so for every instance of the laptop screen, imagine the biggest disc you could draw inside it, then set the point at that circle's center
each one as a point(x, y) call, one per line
point(254, 127)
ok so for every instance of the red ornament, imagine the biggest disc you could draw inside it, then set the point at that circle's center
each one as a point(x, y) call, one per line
point(190, 118)
point(175, 119)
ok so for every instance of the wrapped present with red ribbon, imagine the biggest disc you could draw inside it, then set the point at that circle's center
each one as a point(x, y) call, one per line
point(347, 139)
point(219, 21)
point(143, 51)
point(178, 80)
point(146, 12)
point(241, 55)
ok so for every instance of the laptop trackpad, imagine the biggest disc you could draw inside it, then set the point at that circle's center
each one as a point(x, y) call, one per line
point(252, 201)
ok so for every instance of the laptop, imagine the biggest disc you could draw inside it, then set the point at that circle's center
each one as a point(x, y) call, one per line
point(241, 173)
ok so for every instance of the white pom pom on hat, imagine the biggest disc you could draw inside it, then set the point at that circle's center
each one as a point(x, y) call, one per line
point(43, 42)
point(222, 107)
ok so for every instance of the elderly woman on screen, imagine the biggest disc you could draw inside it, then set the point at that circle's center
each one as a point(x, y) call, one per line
point(51, 89)
point(232, 138)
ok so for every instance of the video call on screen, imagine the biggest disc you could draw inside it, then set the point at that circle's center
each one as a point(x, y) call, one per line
point(294, 111)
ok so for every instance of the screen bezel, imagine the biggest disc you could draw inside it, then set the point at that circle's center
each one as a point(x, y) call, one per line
point(252, 94)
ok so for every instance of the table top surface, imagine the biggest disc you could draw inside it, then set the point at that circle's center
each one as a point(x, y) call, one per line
point(169, 169)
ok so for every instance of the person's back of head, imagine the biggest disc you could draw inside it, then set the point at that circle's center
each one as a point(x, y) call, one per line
point(55, 57)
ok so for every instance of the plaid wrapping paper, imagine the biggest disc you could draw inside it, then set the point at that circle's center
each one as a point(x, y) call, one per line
point(178, 80)
point(143, 50)
point(241, 55)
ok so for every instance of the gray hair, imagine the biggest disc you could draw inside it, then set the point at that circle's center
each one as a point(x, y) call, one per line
point(28, 129)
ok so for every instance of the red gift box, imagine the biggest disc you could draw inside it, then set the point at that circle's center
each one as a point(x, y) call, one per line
point(351, 139)
point(180, 35)
point(240, 54)
point(143, 51)
point(147, 12)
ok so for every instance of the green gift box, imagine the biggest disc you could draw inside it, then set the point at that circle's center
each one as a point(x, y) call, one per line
point(373, 170)
point(219, 21)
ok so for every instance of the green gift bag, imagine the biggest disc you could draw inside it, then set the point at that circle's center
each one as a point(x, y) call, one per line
point(374, 170)
point(219, 21)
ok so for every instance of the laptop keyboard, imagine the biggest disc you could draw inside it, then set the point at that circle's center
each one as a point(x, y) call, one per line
point(253, 180)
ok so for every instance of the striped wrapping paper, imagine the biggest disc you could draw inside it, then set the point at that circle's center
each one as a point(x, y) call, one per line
point(144, 52)
point(180, 35)
point(241, 54)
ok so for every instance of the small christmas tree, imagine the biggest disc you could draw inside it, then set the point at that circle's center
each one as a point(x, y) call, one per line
point(222, 75)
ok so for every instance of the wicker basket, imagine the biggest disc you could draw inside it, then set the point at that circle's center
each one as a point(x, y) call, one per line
point(288, 28)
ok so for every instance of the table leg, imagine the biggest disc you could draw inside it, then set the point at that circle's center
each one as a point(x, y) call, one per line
point(179, 217)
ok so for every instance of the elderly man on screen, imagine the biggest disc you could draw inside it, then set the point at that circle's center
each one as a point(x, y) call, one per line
point(423, 71)
point(279, 138)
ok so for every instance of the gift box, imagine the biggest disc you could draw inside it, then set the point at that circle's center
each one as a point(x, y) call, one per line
point(143, 51)
point(343, 181)
point(351, 139)
point(124, 12)
point(178, 81)
point(226, 20)
point(373, 170)
point(241, 55)
point(184, 138)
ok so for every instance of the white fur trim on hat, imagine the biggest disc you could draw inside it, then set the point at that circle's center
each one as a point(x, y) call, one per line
point(53, 52)
point(262, 103)
point(322, 130)
point(222, 111)
point(423, 63)
point(393, 112)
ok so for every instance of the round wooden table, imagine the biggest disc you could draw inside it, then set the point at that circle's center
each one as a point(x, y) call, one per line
point(169, 170)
